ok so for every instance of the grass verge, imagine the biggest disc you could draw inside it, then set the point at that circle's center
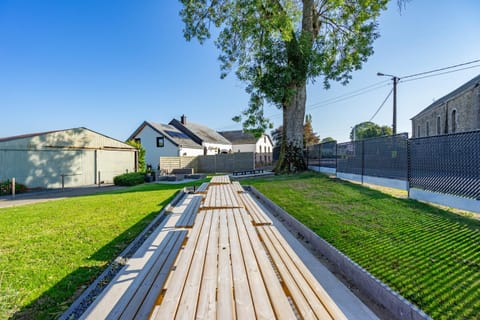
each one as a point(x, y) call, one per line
point(50, 252)
point(429, 255)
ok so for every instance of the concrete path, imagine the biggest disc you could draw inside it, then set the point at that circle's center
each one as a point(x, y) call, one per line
point(50, 195)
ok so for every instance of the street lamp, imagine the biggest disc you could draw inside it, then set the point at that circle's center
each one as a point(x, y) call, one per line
point(395, 81)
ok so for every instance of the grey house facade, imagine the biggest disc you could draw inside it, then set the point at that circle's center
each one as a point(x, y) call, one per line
point(78, 156)
point(458, 111)
point(163, 140)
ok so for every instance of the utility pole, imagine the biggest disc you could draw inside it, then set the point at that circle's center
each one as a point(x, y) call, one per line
point(395, 81)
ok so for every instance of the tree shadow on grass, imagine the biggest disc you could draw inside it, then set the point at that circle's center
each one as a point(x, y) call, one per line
point(56, 300)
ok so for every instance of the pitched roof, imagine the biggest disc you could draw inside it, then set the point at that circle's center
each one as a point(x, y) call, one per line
point(239, 137)
point(77, 138)
point(199, 133)
point(28, 135)
point(471, 83)
point(175, 136)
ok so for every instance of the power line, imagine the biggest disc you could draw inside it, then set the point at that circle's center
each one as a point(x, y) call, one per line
point(386, 98)
point(439, 74)
point(440, 69)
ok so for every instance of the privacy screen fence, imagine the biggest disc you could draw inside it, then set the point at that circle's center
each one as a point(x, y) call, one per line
point(446, 164)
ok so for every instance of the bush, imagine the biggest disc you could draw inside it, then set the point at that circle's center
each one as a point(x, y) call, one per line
point(129, 179)
point(6, 187)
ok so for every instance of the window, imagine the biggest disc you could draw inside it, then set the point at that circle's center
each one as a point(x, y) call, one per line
point(160, 142)
point(454, 121)
point(418, 131)
point(427, 129)
point(439, 130)
point(138, 140)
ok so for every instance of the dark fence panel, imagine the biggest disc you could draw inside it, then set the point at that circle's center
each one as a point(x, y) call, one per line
point(386, 157)
point(313, 155)
point(447, 164)
point(350, 157)
point(328, 154)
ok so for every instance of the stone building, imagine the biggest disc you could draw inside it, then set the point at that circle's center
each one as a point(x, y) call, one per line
point(458, 111)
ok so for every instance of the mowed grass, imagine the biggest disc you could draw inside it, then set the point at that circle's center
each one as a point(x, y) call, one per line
point(430, 256)
point(49, 252)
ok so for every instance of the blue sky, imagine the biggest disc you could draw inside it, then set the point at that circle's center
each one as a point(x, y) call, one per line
point(110, 65)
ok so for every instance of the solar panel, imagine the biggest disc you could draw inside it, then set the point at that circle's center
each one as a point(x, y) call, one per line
point(175, 134)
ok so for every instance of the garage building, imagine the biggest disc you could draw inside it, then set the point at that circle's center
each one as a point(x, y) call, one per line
point(78, 156)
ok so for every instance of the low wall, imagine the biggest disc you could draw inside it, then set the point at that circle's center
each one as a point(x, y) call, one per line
point(446, 200)
point(239, 161)
point(376, 290)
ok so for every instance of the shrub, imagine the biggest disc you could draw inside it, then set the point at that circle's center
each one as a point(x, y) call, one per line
point(129, 179)
point(6, 187)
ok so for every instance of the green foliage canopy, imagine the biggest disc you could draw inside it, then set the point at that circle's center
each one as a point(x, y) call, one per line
point(277, 46)
point(369, 129)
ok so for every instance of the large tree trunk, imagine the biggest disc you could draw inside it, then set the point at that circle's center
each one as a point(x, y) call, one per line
point(291, 152)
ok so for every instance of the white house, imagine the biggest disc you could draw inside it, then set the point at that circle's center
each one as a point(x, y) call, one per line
point(211, 141)
point(163, 140)
point(247, 142)
point(77, 156)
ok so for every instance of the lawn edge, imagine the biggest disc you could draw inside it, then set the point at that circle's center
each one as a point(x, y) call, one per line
point(369, 285)
point(88, 296)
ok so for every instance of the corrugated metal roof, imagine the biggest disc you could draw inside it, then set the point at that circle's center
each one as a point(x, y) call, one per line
point(471, 83)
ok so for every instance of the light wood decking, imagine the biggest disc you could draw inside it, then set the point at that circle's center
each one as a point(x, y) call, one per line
point(232, 264)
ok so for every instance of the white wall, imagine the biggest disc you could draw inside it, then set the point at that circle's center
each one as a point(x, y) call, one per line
point(244, 148)
point(212, 147)
point(153, 153)
point(190, 152)
point(262, 143)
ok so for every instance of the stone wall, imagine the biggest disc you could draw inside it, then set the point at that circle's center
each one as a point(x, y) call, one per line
point(465, 107)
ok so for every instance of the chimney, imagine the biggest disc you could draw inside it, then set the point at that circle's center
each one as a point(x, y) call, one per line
point(183, 119)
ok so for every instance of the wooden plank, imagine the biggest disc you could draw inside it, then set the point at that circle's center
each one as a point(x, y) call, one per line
point(261, 302)
point(243, 298)
point(187, 305)
point(225, 308)
point(203, 188)
point(208, 293)
point(144, 307)
point(277, 295)
point(258, 215)
point(220, 180)
point(188, 215)
point(319, 291)
point(308, 305)
point(237, 187)
point(176, 282)
point(152, 267)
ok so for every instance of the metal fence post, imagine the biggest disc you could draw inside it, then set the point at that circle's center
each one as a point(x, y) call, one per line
point(409, 164)
point(99, 181)
point(63, 181)
point(363, 159)
point(13, 187)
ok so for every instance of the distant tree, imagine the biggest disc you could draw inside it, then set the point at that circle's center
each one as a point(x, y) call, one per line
point(369, 129)
point(141, 154)
point(327, 139)
point(309, 137)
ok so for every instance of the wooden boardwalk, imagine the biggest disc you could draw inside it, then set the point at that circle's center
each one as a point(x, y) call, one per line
point(223, 260)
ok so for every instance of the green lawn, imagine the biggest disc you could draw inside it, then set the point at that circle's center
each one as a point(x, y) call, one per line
point(50, 251)
point(430, 256)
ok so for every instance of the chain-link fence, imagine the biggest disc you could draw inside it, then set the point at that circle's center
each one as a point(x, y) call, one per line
point(447, 164)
